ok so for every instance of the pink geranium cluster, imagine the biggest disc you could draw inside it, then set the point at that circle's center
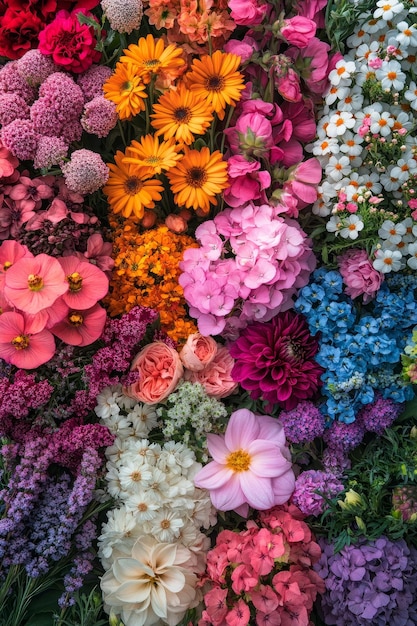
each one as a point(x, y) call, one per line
point(263, 575)
point(250, 263)
point(40, 125)
point(42, 297)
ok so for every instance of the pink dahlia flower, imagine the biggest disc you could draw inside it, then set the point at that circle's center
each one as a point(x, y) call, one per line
point(251, 465)
point(275, 360)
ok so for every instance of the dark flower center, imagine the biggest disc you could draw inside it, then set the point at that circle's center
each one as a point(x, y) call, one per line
point(294, 350)
point(133, 185)
point(196, 176)
point(182, 114)
point(215, 83)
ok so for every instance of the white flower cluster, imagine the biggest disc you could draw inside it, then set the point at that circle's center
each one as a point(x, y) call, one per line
point(365, 142)
point(191, 414)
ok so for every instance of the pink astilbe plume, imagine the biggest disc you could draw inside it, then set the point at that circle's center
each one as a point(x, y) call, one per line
point(87, 283)
point(33, 284)
point(22, 347)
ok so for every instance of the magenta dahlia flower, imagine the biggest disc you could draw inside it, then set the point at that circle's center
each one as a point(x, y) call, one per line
point(275, 360)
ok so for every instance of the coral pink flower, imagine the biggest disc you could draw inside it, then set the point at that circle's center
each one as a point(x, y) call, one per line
point(250, 464)
point(22, 347)
point(216, 377)
point(81, 328)
point(159, 368)
point(87, 283)
point(33, 284)
point(198, 352)
point(239, 615)
point(215, 601)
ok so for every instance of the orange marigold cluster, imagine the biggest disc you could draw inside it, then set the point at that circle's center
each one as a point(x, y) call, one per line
point(146, 273)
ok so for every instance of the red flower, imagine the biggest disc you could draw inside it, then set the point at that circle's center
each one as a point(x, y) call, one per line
point(19, 31)
point(274, 360)
point(71, 44)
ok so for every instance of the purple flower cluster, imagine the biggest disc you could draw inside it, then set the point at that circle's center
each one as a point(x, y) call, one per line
point(302, 424)
point(32, 119)
point(307, 485)
point(372, 583)
point(380, 414)
point(249, 265)
point(18, 396)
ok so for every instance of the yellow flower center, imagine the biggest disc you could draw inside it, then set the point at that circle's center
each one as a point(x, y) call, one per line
point(7, 265)
point(20, 342)
point(165, 523)
point(196, 176)
point(215, 83)
point(238, 461)
point(35, 282)
point(75, 319)
point(75, 281)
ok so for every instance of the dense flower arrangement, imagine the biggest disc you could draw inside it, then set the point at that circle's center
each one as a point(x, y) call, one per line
point(208, 322)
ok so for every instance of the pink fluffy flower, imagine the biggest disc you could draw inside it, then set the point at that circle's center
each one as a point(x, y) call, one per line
point(298, 31)
point(247, 12)
point(81, 328)
point(359, 275)
point(70, 43)
point(20, 345)
point(251, 465)
point(87, 283)
point(33, 284)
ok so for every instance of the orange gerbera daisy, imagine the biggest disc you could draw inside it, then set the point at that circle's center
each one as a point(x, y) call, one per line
point(197, 178)
point(129, 189)
point(152, 155)
point(127, 90)
point(215, 78)
point(181, 114)
point(150, 56)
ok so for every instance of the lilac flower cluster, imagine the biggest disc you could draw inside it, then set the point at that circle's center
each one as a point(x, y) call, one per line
point(249, 265)
point(302, 424)
point(40, 125)
point(18, 396)
point(360, 350)
point(311, 486)
point(372, 583)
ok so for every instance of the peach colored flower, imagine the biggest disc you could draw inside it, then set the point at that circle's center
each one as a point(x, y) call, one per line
point(87, 283)
point(33, 284)
point(198, 352)
point(216, 377)
point(159, 368)
point(10, 252)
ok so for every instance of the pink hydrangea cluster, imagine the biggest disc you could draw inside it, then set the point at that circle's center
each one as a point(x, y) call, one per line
point(42, 297)
point(39, 125)
point(249, 265)
point(263, 575)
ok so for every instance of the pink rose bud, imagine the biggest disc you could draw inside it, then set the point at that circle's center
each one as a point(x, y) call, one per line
point(159, 368)
point(216, 377)
point(198, 352)
point(298, 31)
point(288, 86)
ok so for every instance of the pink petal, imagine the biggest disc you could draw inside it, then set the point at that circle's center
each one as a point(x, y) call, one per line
point(213, 476)
point(283, 487)
point(241, 430)
point(229, 497)
point(257, 491)
point(266, 459)
point(217, 448)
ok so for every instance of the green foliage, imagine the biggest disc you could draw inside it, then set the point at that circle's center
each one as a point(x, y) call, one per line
point(342, 17)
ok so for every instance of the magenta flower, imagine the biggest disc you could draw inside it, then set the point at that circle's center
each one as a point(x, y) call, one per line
point(251, 465)
point(275, 360)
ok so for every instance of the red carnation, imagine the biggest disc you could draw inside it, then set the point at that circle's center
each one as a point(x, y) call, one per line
point(274, 360)
point(71, 44)
point(19, 31)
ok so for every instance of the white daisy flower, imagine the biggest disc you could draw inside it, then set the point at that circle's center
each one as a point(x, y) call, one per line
point(404, 169)
point(391, 76)
point(352, 144)
point(342, 72)
point(336, 92)
point(412, 251)
point(324, 147)
point(107, 402)
point(143, 418)
point(407, 34)
point(408, 224)
point(351, 227)
point(411, 95)
point(338, 167)
point(353, 101)
point(387, 9)
point(134, 476)
point(381, 123)
point(357, 38)
point(166, 525)
point(339, 123)
point(391, 231)
point(334, 225)
point(143, 504)
point(387, 261)
point(388, 181)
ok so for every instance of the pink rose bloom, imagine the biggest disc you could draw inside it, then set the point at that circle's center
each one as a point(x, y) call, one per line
point(71, 44)
point(251, 465)
point(216, 377)
point(159, 368)
point(359, 275)
point(247, 12)
point(198, 352)
point(299, 30)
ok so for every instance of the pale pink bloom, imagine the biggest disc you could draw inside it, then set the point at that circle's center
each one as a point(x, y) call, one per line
point(198, 352)
point(33, 284)
point(20, 345)
point(299, 30)
point(81, 328)
point(216, 376)
point(87, 283)
point(250, 464)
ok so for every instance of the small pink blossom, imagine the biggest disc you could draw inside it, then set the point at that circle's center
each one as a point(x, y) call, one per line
point(239, 615)
point(299, 30)
point(288, 86)
point(247, 12)
point(21, 345)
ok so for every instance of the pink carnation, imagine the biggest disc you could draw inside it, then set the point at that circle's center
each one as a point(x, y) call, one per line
point(70, 43)
point(359, 275)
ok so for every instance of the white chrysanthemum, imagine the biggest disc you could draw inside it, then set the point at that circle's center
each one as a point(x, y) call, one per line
point(123, 15)
point(166, 524)
point(392, 232)
point(387, 261)
point(351, 227)
point(120, 531)
point(115, 451)
point(153, 585)
point(143, 504)
point(108, 402)
point(412, 251)
point(149, 451)
point(143, 418)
